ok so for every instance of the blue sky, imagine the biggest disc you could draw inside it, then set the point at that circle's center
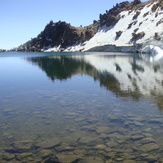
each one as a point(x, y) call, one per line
point(22, 20)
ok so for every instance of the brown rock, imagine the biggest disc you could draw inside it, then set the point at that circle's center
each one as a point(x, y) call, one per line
point(101, 130)
point(88, 160)
point(89, 140)
point(137, 137)
point(112, 143)
point(149, 147)
point(129, 161)
point(67, 158)
point(22, 146)
point(45, 153)
point(147, 140)
point(100, 146)
point(64, 148)
point(50, 143)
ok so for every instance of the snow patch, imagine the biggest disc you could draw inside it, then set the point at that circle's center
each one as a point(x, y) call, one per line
point(54, 49)
point(154, 53)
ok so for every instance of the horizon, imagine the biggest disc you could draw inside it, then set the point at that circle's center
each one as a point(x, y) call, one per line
point(23, 20)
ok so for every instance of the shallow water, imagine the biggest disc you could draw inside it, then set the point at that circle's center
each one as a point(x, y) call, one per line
point(80, 107)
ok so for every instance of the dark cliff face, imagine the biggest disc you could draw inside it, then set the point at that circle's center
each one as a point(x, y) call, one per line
point(59, 34)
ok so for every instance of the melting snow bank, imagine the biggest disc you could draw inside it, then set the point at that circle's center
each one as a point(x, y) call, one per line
point(152, 53)
point(50, 49)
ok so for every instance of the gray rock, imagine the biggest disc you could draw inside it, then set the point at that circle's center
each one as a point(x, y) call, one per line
point(138, 123)
point(156, 120)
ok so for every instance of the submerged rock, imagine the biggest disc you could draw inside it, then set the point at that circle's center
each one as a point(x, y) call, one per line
point(129, 156)
point(50, 143)
point(88, 160)
point(8, 111)
point(101, 130)
point(52, 159)
point(8, 156)
point(64, 148)
point(89, 140)
point(150, 158)
point(79, 119)
point(147, 140)
point(22, 146)
point(137, 137)
point(138, 123)
point(149, 147)
point(129, 161)
point(89, 127)
point(156, 121)
point(66, 158)
point(101, 147)
point(45, 153)
point(112, 143)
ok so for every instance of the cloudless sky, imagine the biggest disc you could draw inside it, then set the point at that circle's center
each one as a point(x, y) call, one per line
point(21, 20)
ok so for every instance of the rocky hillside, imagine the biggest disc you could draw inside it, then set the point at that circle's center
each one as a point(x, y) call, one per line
point(129, 27)
point(126, 27)
point(61, 35)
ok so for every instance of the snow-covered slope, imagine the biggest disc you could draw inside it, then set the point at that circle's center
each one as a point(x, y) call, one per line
point(142, 25)
point(146, 24)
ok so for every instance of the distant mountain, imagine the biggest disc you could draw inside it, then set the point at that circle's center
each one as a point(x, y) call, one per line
point(126, 27)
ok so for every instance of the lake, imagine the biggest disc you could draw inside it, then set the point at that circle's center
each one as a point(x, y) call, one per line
point(80, 108)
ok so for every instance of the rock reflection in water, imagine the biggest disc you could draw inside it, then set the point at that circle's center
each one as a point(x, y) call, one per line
point(124, 75)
